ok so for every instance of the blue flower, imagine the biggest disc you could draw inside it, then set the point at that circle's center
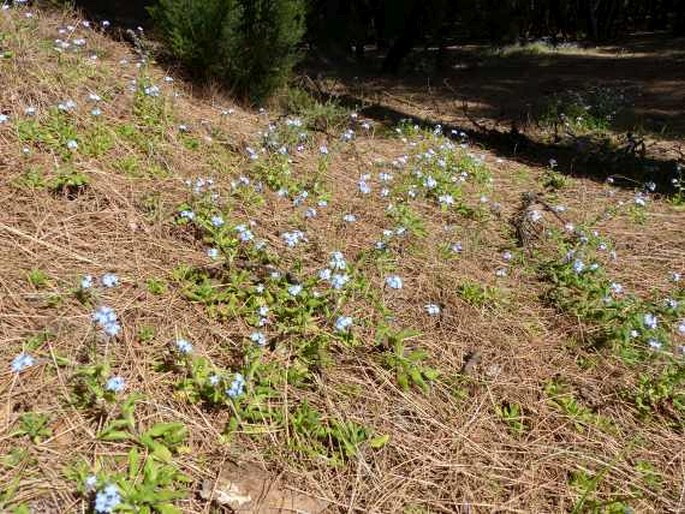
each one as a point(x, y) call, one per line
point(214, 380)
point(578, 266)
point(681, 328)
point(325, 275)
point(671, 303)
point(432, 309)
point(90, 483)
point(364, 188)
point(338, 280)
point(429, 183)
point(21, 362)
point(446, 200)
point(295, 289)
point(184, 346)
point(258, 338)
point(212, 253)
point(394, 282)
point(501, 272)
point(349, 218)
point(115, 384)
point(616, 288)
point(96, 111)
point(152, 91)
point(107, 499)
point(87, 282)
point(72, 144)
point(650, 321)
point(337, 261)
point(292, 239)
point(323, 149)
point(107, 320)
point(237, 386)
point(310, 213)
point(456, 248)
point(217, 221)
point(343, 324)
point(187, 214)
point(109, 280)
point(507, 256)
point(655, 344)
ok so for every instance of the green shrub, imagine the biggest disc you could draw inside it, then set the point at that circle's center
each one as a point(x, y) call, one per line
point(250, 45)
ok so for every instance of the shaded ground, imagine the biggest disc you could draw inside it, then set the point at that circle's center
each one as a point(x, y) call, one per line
point(496, 97)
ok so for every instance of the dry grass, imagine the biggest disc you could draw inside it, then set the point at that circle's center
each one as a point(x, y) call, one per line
point(449, 449)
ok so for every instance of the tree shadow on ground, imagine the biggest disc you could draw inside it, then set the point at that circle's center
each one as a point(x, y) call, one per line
point(587, 158)
point(495, 97)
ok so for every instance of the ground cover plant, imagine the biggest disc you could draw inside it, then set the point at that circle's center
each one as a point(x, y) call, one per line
point(390, 317)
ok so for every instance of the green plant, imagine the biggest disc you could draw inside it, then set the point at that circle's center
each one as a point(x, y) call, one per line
point(35, 426)
point(156, 286)
point(512, 414)
point(563, 398)
point(250, 44)
point(38, 278)
point(69, 182)
point(478, 295)
point(408, 365)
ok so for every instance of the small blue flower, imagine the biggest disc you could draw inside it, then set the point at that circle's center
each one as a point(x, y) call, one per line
point(90, 483)
point(292, 239)
point(338, 280)
point(446, 200)
point(107, 499)
point(109, 280)
point(507, 256)
point(325, 275)
point(21, 362)
point(294, 289)
point(430, 183)
point(649, 320)
point(107, 320)
point(457, 248)
point(184, 346)
point(217, 221)
point(214, 380)
point(310, 213)
point(263, 311)
point(212, 253)
point(655, 344)
point(323, 149)
point(681, 328)
point(343, 324)
point(96, 111)
point(364, 188)
point(337, 261)
point(187, 214)
point(432, 309)
point(394, 282)
point(578, 266)
point(237, 386)
point(501, 272)
point(349, 218)
point(87, 282)
point(671, 303)
point(616, 288)
point(115, 384)
point(258, 338)
point(152, 91)
point(72, 144)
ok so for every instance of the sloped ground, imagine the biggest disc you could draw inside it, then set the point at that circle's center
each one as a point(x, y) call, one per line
point(468, 351)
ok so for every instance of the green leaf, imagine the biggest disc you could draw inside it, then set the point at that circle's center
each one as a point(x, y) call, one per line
point(379, 442)
point(133, 462)
point(114, 435)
